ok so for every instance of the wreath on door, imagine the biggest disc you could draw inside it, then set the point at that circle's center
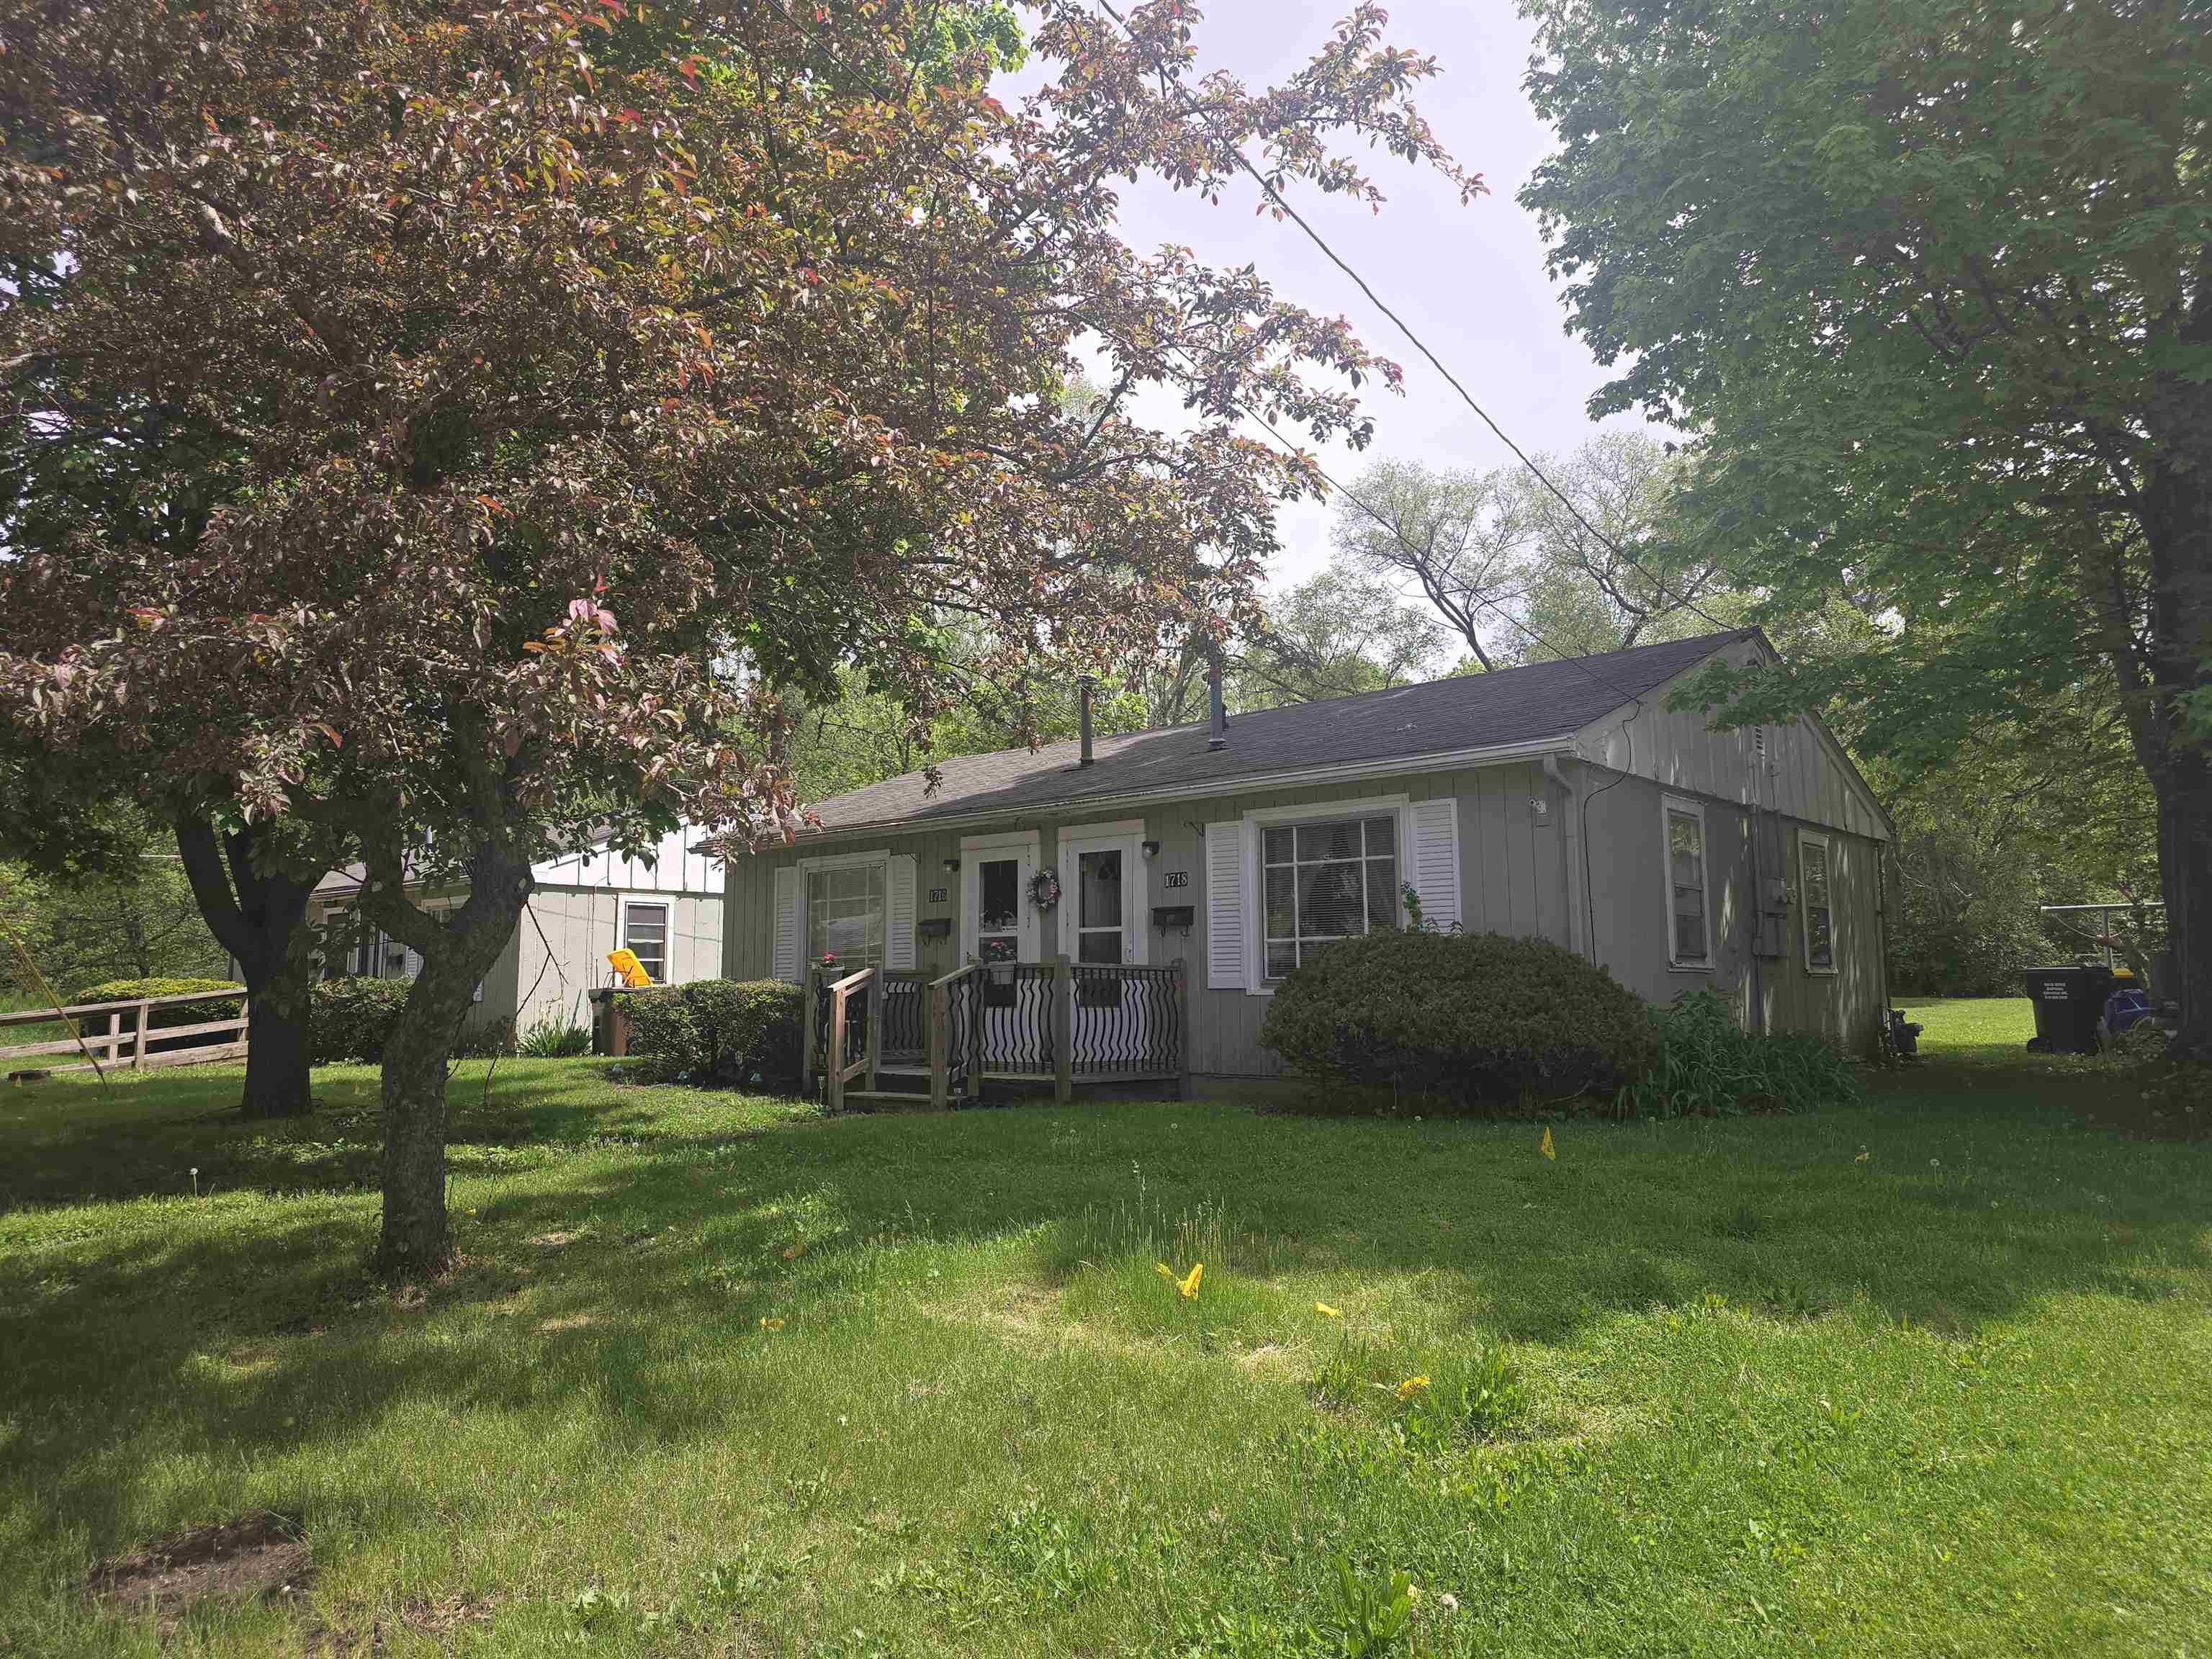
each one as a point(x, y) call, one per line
point(1044, 889)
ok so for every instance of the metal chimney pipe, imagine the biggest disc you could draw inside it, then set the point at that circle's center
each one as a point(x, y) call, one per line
point(1219, 739)
point(1083, 706)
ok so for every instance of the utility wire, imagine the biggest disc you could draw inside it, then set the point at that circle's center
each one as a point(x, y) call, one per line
point(1170, 80)
point(1583, 663)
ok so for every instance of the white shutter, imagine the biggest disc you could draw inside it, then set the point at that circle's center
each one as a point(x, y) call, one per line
point(898, 913)
point(783, 963)
point(1433, 860)
point(1225, 943)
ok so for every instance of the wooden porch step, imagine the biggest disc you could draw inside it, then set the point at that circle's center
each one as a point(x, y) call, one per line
point(877, 1099)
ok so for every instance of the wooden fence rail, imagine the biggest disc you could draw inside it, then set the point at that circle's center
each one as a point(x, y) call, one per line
point(108, 1045)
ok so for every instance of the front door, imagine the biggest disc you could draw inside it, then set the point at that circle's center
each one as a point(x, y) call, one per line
point(1102, 926)
point(1099, 879)
point(999, 929)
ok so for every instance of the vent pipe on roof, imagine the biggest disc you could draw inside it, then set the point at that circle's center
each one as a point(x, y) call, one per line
point(1082, 687)
point(1219, 737)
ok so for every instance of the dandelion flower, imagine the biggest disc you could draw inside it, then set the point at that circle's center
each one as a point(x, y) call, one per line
point(1448, 1603)
point(1164, 1271)
point(1328, 1312)
point(1411, 1386)
point(1413, 1592)
point(770, 1322)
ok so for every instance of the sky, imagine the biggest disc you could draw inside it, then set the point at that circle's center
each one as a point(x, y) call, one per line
point(1469, 280)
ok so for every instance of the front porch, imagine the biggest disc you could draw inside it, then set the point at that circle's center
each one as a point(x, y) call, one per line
point(900, 1036)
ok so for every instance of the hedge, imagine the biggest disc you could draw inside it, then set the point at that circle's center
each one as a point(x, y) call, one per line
point(744, 1032)
point(1465, 1022)
point(182, 1013)
point(348, 1019)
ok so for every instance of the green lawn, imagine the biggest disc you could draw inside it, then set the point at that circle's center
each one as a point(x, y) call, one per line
point(1933, 1375)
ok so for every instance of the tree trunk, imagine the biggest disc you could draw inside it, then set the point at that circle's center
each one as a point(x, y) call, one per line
point(456, 954)
point(2184, 788)
point(416, 1240)
point(2178, 520)
point(260, 916)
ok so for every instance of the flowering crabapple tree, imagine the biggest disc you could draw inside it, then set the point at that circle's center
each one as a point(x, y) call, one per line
point(557, 363)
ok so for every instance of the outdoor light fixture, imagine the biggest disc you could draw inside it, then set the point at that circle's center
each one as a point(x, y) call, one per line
point(1151, 850)
point(952, 865)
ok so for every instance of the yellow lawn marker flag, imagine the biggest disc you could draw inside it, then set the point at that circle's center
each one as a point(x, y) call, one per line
point(1544, 1146)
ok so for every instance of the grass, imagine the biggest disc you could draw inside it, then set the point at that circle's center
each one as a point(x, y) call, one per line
point(717, 1375)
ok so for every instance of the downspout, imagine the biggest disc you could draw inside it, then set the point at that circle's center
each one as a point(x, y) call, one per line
point(1758, 886)
point(1570, 856)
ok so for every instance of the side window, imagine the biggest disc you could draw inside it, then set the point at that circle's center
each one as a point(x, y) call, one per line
point(1689, 917)
point(1814, 879)
point(645, 932)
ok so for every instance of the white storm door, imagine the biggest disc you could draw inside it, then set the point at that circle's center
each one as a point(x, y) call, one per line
point(1102, 884)
point(999, 928)
point(1101, 927)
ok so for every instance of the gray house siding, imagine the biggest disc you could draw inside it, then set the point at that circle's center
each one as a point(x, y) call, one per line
point(1512, 880)
point(1630, 899)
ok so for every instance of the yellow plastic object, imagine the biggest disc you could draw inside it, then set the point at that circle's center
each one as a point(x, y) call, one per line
point(625, 963)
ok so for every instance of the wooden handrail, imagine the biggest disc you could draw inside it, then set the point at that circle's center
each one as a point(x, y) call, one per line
point(39, 1015)
point(851, 979)
point(110, 1046)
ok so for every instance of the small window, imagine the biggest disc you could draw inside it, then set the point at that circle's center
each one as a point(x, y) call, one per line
point(645, 932)
point(1322, 881)
point(845, 914)
point(1689, 916)
point(1816, 881)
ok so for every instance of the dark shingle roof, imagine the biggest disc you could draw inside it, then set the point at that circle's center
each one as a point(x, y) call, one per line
point(1477, 711)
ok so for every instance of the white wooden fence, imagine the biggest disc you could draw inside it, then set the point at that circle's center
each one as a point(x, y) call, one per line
point(114, 1043)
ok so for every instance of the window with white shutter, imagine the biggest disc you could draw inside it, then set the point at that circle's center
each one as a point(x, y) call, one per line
point(783, 962)
point(898, 939)
point(1226, 940)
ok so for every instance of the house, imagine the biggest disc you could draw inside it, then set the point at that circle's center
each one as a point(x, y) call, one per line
point(1562, 800)
point(666, 906)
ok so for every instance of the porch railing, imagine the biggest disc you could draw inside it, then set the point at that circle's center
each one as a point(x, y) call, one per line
point(1031, 1022)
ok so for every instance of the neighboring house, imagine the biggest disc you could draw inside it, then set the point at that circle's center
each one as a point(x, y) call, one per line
point(667, 907)
point(1562, 800)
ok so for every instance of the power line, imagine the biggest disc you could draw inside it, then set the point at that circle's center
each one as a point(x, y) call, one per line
point(990, 187)
point(1170, 80)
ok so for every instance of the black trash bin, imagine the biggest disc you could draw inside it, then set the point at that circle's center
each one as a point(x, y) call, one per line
point(2069, 1004)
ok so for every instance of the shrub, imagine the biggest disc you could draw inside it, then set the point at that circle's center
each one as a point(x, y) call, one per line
point(1466, 1020)
point(1708, 1065)
point(186, 1014)
point(744, 1032)
point(348, 1019)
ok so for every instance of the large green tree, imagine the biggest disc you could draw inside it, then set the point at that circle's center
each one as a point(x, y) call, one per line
point(559, 373)
point(1931, 284)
